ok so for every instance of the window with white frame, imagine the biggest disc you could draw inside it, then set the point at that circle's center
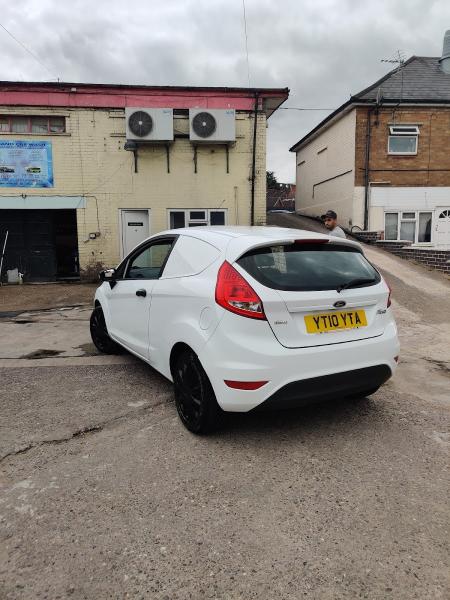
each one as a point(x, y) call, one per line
point(195, 217)
point(412, 226)
point(403, 139)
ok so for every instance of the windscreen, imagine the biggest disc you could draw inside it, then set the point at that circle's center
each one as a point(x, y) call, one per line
point(308, 267)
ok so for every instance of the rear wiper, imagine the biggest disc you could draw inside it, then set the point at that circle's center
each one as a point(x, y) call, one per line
point(354, 282)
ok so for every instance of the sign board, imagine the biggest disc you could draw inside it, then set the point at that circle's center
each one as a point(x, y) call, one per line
point(26, 164)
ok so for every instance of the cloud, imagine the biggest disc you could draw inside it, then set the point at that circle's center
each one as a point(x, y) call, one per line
point(323, 50)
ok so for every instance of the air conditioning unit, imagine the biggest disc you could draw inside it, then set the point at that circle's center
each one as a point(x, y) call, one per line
point(149, 124)
point(217, 126)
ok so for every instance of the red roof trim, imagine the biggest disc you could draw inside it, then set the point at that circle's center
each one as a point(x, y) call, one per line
point(119, 96)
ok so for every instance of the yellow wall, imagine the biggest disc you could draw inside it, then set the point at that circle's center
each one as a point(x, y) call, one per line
point(89, 160)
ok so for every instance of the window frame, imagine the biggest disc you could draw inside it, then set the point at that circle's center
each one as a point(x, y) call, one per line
point(123, 266)
point(29, 130)
point(415, 220)
point(402, 131)
point(196, 222)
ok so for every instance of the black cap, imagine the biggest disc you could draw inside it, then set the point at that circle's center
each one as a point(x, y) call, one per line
point(329, 214)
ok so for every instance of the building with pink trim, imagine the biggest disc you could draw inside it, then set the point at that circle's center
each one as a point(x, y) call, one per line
point(87, 170)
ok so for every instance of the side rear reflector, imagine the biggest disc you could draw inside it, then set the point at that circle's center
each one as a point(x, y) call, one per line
point(245, 385)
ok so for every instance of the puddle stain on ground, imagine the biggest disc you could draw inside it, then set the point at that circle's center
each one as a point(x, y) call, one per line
point(41, 353)
point(89, 349)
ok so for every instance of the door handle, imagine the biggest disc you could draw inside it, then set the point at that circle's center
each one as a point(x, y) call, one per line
point(142, 293)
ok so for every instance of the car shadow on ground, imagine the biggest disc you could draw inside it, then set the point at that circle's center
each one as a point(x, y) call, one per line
point(319, 417)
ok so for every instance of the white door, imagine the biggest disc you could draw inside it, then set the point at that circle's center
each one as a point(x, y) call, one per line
point(442, 227)
point(135, 229)
point(129, 298)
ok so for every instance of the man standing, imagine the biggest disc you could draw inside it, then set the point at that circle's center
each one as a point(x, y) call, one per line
point(330, 221)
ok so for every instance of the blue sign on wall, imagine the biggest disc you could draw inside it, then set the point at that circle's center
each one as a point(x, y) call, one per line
point(26, 164)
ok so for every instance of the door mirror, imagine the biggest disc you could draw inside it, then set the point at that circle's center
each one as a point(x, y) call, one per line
point(107, 275)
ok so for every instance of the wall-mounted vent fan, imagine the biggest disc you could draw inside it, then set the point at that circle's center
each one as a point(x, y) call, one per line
point(212, 126)
point(149, 124)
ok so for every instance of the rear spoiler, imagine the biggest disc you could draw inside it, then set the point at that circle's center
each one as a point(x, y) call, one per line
point(239, 246)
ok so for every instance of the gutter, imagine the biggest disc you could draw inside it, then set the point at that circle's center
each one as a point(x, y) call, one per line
point(253, 178)
point(366, 168)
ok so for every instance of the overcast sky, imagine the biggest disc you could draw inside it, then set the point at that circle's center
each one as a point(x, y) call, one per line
point(323, 50)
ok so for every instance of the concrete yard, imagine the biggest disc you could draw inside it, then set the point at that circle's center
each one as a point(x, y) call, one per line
point(103, 493)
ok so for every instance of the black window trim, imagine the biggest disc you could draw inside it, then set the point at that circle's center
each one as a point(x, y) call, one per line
point(122, 267)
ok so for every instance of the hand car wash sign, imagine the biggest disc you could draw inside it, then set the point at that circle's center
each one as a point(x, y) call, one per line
point(26, 164)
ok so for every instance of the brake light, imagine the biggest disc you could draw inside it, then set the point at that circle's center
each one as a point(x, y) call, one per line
point(236, 295)
point(312, 241)
point(389, 295)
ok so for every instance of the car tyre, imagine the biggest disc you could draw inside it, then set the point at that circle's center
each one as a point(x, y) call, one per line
point(194, 396)
point(100, 335)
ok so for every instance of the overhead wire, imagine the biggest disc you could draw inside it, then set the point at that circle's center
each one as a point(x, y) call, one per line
point(298, 108)
point(30, 52)
point(246, 42)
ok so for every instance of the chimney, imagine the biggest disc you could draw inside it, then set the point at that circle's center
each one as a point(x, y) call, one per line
point(445, 58)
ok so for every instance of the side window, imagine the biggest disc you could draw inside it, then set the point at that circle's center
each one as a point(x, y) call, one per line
point(149, 262)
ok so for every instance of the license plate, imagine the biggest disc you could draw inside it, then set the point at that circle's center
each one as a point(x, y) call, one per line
point(333, 321)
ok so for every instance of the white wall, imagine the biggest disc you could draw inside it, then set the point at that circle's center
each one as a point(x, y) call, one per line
point(383, 199)
point(315, 166)
point(412, 198)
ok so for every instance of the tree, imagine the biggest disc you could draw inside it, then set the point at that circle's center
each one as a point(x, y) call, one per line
point(271, 180)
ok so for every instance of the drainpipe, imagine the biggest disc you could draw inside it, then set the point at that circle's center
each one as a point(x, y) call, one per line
point(253, 178)
point(366, 168)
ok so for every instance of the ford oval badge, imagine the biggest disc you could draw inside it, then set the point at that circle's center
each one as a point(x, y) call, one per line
point(339, 304)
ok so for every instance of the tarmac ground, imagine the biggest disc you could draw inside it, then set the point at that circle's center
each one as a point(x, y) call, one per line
point(103, 493)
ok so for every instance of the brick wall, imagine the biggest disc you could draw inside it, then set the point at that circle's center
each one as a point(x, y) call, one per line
point(369, 237)
point(436, 259)
point(431, 165)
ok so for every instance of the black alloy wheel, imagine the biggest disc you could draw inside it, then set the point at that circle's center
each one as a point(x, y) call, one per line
point(99, 333)
point(194, 397)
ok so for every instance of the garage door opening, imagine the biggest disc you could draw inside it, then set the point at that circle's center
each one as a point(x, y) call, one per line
point(42, 244)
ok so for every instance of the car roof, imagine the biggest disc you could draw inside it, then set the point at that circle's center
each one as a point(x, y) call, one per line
point(236, 231)
point(237, 239)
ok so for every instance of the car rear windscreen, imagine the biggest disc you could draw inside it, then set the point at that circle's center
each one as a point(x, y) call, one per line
point(308, 267)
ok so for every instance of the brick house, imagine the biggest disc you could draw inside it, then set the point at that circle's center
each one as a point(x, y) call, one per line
point(78, 190)
point(382, 160)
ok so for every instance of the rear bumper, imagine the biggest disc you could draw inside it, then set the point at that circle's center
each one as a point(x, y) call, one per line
point(327, 387)
point(246, 350)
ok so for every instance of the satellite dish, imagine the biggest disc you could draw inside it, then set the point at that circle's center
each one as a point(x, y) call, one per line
point(204, 124)
point(140, 123)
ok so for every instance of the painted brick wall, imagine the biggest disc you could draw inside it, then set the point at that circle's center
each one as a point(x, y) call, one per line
point(431, 165)
point(331, 154)
point(89, 160)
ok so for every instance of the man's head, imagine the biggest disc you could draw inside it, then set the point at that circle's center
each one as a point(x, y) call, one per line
point(330, 219)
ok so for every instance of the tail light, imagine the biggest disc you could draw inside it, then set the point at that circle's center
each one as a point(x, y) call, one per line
point(236, 295)
point(389, 296)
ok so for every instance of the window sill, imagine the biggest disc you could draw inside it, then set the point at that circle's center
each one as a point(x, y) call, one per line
point(65, 134)
point(402, 154)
